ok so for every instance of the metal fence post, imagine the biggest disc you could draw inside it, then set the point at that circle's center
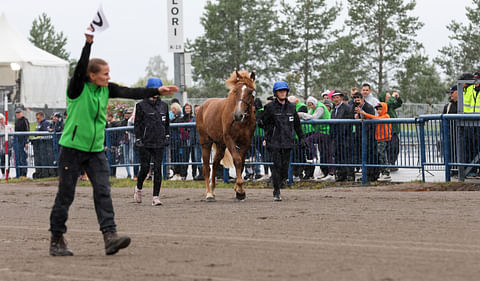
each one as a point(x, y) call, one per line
point(290, 171)
point(421, 124)
point(108, 143)
point(445, 123)
point(364, 153)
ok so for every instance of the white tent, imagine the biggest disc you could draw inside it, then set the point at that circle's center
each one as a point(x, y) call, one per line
point(43, 79)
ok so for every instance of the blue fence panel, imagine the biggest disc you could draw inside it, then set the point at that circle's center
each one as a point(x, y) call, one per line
point(430, 142)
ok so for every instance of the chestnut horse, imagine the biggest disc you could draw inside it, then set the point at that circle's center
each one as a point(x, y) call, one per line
point(227, 123)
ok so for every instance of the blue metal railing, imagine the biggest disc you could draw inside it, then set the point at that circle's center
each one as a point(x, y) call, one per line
point(425, 143)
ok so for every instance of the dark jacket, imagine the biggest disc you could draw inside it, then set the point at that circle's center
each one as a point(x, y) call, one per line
point(450, 108)
point(279, 121)
point(43, 125)
point(152, 123)
point(342, 131)
point(369, 127)
point(22, 125)
point(186, 118)
point(56, 126)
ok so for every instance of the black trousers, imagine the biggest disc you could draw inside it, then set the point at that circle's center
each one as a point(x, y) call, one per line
point(281, 162)
point(70, 162)
point(147, 154)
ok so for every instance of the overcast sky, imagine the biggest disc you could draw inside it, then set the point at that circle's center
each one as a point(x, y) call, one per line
point(138, 29)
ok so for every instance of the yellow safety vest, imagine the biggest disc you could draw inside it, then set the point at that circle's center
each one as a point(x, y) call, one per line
point(471, 100)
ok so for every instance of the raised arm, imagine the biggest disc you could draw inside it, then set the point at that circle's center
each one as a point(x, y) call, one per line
point(80, 75)
point(117, 91)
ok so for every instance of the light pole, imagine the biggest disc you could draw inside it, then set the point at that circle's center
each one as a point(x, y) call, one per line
point(16, 68)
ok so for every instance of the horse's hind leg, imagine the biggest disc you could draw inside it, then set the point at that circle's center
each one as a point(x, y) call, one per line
point(206, 149)
point(219, 153)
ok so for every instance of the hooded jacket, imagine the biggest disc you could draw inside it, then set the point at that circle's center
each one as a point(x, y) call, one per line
point(151, 125)
point(384, 130)
point(280, 121)
point(393, 104)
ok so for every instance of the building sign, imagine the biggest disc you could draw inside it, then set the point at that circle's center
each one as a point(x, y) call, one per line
point(175, 25)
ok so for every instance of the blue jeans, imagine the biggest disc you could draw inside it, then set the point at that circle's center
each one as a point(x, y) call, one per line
point(19, 143)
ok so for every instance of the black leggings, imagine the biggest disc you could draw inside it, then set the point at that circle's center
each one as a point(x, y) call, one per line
point(155, 154)
point(281, 162)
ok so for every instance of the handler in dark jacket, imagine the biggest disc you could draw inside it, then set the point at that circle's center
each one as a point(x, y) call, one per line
point(151, 133)
point(279, 120)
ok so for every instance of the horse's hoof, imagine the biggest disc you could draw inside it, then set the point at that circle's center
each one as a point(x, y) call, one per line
point(210, 199)
point(241, 196)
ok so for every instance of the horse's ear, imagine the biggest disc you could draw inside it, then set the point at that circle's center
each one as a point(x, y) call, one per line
point(252, 76)
point(238, 75)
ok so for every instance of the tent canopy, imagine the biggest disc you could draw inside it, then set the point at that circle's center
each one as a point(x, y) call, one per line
point(43, 77)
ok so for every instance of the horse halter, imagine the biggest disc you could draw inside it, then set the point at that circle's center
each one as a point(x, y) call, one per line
point(246, 112)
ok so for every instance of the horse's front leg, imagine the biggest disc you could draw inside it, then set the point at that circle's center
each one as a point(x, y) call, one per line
point(238, 155)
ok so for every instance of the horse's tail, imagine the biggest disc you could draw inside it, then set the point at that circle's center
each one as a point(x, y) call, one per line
point(227, 160)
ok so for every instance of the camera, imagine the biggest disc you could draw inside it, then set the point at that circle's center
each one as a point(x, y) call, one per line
point(356, 104)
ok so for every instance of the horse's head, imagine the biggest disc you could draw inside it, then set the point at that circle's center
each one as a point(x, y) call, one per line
point(242, 93)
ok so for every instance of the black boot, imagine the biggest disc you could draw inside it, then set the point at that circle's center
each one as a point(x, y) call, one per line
point(276, 195)
point(58, 246)
point(113, 242)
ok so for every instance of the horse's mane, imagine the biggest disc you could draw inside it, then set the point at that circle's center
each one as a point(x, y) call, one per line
point(239, 77)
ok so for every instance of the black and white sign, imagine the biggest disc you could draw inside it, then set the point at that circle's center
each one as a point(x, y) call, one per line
point(99, 22)
point(175, 25)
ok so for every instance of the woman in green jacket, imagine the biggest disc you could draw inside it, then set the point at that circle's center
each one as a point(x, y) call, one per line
point(82, 145)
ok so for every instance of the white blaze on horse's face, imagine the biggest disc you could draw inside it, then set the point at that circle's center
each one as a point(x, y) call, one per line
point(239, 115)
point(239, 103)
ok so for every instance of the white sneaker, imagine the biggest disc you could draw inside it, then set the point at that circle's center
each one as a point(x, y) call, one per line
point(328, 178)
point(264, 178)
point(385, 178)
point(156, 201)
point(137, 195)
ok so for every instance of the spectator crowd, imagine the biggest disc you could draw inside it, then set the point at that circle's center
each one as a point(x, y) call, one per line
point(324, 143)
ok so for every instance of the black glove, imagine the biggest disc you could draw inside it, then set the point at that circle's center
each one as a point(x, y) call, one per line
point(167, 140)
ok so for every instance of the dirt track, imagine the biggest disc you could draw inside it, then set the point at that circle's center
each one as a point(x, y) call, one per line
point(331, 234)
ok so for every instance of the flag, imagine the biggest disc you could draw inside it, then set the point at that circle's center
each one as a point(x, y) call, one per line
point(99, 22)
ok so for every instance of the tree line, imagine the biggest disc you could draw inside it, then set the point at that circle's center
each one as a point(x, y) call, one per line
point(302, 44)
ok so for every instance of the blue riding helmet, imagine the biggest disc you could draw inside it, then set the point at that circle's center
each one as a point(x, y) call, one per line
point(154, 82)
point(280, 85)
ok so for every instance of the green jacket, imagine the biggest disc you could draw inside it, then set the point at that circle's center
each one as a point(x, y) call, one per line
point(393, 104)
point(322, 128)
point(85, 126)
point(306, 128)
point(259, 131)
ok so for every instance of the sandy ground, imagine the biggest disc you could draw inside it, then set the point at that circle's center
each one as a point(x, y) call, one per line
point(359, 233)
